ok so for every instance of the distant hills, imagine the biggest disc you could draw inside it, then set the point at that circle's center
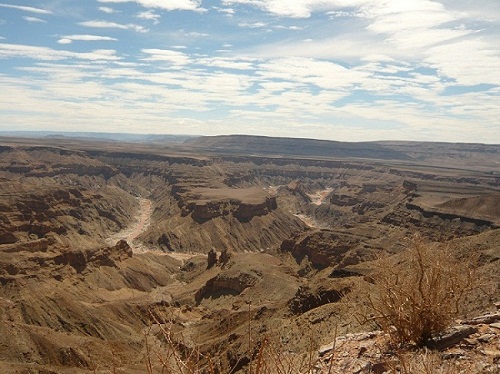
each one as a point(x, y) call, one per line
point(439, 154)
point(263, 145)
point(100, 136)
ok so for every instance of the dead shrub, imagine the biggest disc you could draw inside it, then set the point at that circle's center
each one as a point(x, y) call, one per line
point(166, 351)
point(417, 294)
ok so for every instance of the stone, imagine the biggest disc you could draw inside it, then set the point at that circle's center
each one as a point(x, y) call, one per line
point(454, 336)
point(495, 325)
point(485, 338)
point(211, 258)
point(455, 355)
point(486, 319)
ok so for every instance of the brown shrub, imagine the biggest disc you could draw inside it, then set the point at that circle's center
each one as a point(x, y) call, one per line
point(416, 295)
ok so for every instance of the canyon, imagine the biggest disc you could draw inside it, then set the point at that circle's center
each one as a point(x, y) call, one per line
point(104, 245)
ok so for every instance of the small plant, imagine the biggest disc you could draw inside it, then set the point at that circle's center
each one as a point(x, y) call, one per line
point(417, 295)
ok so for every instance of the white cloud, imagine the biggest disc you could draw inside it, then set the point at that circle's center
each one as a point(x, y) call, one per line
point(65, 41)
point(129, 97)
point(293, 28)
point(49, 54)
point(227, 63)
point(296, 8)
point(253, 25)
point(34, 19)
point(166, 55)
point(107, 10)
point(467, 62)
point(70, 38)
point(227, 11)
point(26, 8)
point(193, 5)
point(149, 15)
point(113, 25)
point(324, 74)
point(195, 34)
point(377, 69)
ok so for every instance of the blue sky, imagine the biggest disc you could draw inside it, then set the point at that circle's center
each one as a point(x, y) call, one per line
point(351, 70)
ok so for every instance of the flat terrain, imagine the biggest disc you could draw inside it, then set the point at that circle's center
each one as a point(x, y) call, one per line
point(104, 246)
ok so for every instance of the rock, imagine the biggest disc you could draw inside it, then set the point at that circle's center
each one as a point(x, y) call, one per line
point(343, 200)
point(245, 212)
point(325, 349)
point(362, 350)
point(457, 334)
point(486, 338)
point(495, 353)
point(211, 258)
point(206, 208)
point(7, 237)
point(362, 367)
point(485, 319)
point(496, 325)
point(323, 248)
point(224, 285)
point(454, 355)
point(76, 259)
point(225, 256)
point(344, 273)
point(306, 299)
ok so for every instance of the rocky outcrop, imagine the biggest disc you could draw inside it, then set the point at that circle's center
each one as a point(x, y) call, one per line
point(297, 189)
point(343, 200)
point(77, 216)
point(306, 299)
point(45, 161)
point(244, 212)
point(322, 248)
point(429, 213)
point(33, 259)
point(224, 284)
point(461, 348)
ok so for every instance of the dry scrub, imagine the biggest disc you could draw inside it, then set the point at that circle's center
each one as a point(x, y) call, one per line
point(416, 295)
point(166, 352)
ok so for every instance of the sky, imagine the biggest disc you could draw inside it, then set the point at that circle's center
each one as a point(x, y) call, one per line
point(348, 70)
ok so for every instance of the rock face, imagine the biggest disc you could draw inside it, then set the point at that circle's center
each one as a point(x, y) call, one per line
point(244, 212)
point(51, 161)
point(63, 213)
point(38, 260)
point(306, 299)
point(343, 200)
point(59, 195)
point(225, 284)
point(235, 219)
point(323, 248)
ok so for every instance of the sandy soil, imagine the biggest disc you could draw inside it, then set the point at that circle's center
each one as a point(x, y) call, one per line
point(319, 197)
point(142, 221)
point(140, 224)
